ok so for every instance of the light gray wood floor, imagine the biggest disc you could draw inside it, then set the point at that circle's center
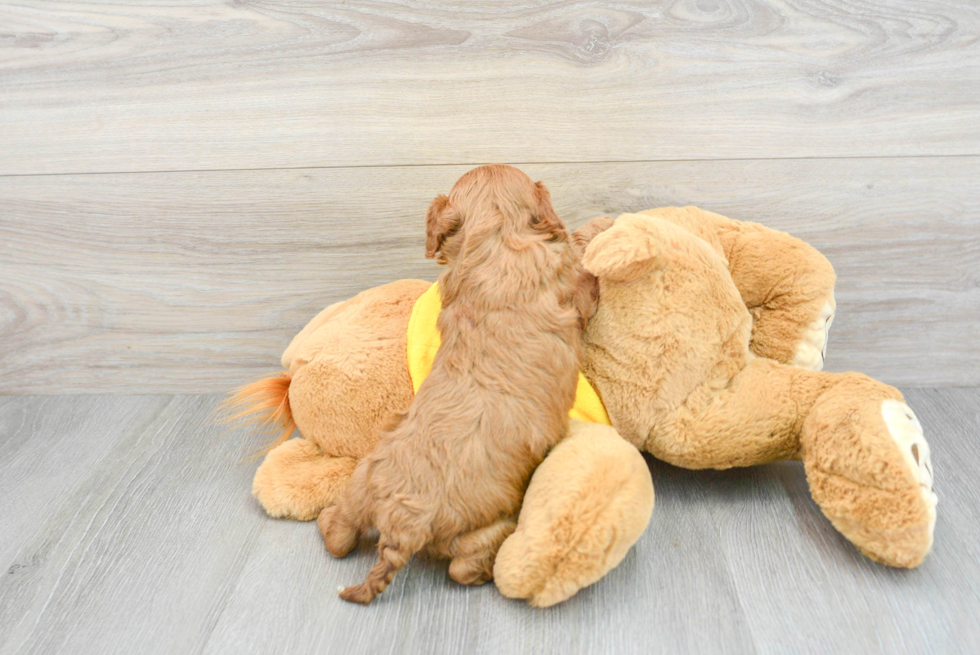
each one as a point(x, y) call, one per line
point(127, 527)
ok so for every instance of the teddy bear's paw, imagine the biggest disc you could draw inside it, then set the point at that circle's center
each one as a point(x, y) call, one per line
point(869, 469)
point(811, 350)
point(297, 480)
point(586, 505)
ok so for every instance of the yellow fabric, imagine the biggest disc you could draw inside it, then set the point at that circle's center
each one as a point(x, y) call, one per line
point(424, 340)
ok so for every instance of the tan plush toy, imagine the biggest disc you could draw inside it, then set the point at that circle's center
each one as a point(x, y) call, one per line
point(705, 351)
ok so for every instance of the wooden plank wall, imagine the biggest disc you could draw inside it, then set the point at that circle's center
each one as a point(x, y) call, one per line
point(183, 185)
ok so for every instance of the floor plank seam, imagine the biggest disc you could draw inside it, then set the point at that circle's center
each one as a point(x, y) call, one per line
point(513, 163)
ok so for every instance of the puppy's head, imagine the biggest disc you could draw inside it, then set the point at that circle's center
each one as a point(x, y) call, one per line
point(488, 199)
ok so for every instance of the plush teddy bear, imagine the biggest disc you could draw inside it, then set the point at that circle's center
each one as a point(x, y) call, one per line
point(705, 351)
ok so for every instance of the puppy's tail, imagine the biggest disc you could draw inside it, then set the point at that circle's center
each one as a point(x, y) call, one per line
point(263, 404)
point(392, 558)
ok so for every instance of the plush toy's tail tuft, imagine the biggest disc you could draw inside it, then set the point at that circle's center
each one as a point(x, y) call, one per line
point(264, 404)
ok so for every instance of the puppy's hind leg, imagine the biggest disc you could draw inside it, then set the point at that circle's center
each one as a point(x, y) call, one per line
point(474, 552)
point(392, 557)
point(341, 525)
point(339, 529)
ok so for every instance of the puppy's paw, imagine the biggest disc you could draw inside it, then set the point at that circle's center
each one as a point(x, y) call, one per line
point(339, 537)
point(471, 570)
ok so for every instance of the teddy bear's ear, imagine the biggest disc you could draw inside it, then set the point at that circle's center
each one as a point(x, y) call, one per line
point(441, 222)
point(623, 252)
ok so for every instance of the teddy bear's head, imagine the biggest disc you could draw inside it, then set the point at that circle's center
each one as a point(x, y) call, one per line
point(670, 321)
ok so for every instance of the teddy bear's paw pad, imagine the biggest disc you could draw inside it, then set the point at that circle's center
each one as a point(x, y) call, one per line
point(812, 349)
point(905, 429)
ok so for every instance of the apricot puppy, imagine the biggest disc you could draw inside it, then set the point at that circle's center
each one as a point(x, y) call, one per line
point(448, 477)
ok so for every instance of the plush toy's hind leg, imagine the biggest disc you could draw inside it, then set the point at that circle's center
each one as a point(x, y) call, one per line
point(868, 467)
point(474, 553)
point(297, 480)
point(866, 461)
point(788, 287)
point(752, 420)
point(586, 505)
point(350, 373)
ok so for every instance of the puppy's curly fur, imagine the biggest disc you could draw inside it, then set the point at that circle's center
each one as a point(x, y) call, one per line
point(449, 475)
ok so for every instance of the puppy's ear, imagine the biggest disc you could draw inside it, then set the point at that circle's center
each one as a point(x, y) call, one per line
point(544, 220)
point(440, 223)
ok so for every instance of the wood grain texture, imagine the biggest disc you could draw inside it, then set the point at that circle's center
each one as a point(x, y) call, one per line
point(141, 554)
point(138, 534)
point(196, 282)
point(633, 609)
point(131, 86)
point(794, 574)
point(42, 463)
